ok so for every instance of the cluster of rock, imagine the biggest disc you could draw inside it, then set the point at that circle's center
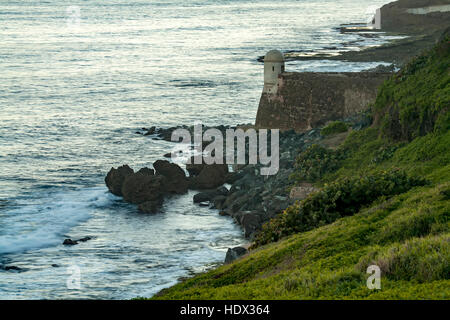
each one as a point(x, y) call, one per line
point(254, 199)
point(166, 133)
point(148, 187)
point(250, 198)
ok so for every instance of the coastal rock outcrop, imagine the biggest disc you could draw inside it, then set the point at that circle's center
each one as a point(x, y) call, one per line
point(115, 178)
point(253, 199)
point(151, 206)
point(210, 195)
point(11, 268)
point(70, 242)
point(194, 169)
point(210, 177)
point(251, 222)
point(147, 187)
point(234, 253)
point(176, 181)
point(140, 187)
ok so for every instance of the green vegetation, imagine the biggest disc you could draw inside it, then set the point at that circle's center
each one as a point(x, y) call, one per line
point(314, 162)
point(343, 197)
point(374, 207)
point(417, 98)
point(334, 128)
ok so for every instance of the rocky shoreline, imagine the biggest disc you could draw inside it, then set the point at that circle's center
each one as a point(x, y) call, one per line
point(237, 191)
point(240, 192)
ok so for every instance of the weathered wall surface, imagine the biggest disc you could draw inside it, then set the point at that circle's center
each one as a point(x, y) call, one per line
point(308, 100)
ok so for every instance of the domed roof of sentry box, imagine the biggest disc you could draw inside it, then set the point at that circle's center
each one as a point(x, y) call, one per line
point(274, 56)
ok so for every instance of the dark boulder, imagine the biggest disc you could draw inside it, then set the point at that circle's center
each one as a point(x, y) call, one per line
point(140, 187)
point(84, 239)
point(234, 253)
point(115, 178)
point(211, 176)
point(150, 131)
point(69, 242)
point(193, 168)
point(218, 202)
point(11, 268)
point(146, 171)
point(151, 206)
point(204, 196)
point(251, 223)
point(210, 194)
point(176, 181)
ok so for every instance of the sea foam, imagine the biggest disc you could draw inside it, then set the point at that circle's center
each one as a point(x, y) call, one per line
point(44, 224)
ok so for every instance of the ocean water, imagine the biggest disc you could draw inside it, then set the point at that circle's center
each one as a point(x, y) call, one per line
point(77, 81)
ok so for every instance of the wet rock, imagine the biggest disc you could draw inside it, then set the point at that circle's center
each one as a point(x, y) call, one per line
point(146, 171)
point(194, 169)
point(210, 195)
point(251, 223)
point(140, 187)
point(150, 131)
point(210, 177)
point(218, 202)
point(235, 253)
point(234, 201)
point(151, 206)
point(115, 178)
point(232, 177)
point(176, 181)
point(69, 242)
point(203, 196)
point(84, 239)
point(10, 268)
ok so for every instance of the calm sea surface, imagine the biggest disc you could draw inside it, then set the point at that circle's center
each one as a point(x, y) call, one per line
point(76, 83)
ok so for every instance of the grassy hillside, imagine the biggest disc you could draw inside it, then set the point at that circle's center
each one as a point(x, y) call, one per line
point(384, 200)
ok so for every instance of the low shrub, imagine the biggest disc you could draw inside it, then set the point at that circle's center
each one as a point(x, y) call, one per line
point(344, 197)
point(384, 153)
point(314, 162)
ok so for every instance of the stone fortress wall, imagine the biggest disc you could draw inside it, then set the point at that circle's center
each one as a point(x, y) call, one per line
point(308, 100)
